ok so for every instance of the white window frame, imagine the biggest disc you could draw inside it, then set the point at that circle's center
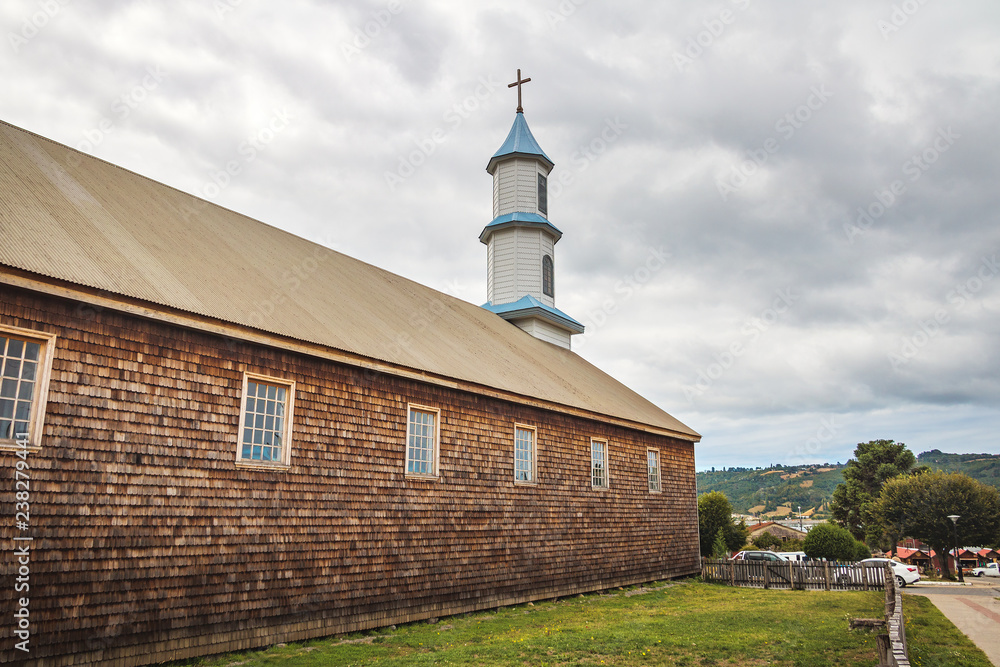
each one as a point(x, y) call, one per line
point(436, 455)
point(607, 472)
point(40, 392)
point(658, 486)
point(286, 444)
point(534, 454)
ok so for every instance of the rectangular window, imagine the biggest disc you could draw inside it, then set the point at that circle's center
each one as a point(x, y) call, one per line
point(653, 465)
point(543, 195)
point(25, 362)
point(524, 454)
point(422, 441)
point(266, 425)
point(599, 464)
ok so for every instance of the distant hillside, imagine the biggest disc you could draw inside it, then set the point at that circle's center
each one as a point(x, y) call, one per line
point(984, 467)
point(781, 490)
point(778, 490)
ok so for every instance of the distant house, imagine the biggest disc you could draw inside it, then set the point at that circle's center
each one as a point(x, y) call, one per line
point(236, 437)
point(782, 532)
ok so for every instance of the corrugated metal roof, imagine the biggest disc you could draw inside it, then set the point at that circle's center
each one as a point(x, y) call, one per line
point(73, 217)
point(519, 141)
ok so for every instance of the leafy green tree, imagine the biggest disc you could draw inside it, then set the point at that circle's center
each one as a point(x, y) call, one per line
point(918, 506)
point(832, 542)
point(714, 514)
point(873, 464)
point(766, 541)
point(719, 546)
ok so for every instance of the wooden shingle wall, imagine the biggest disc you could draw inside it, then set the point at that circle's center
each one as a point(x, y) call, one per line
point(151, 544)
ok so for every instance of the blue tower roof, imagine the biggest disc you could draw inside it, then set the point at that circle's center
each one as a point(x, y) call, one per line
point(529, 306)
point(519, 141)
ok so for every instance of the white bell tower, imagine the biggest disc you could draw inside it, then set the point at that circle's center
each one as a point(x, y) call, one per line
point(520, 241)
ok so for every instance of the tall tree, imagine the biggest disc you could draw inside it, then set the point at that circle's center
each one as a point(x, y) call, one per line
point(715, 514)
point(873, 464)
point(918, 506)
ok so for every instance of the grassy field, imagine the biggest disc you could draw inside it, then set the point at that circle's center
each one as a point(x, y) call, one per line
point(934, 641)
point(687, 623)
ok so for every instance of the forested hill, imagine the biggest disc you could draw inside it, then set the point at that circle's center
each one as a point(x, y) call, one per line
point(984, 467)
point(778, 490)
point(781, 490)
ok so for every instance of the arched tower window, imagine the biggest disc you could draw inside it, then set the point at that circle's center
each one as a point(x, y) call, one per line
point(548, 289)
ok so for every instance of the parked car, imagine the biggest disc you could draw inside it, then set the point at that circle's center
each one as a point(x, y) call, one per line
point(793, 555)
point(905, 574)
point(991, 570)
point(757, 555)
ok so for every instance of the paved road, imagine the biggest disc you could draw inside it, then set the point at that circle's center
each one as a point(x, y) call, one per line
point(973, 609)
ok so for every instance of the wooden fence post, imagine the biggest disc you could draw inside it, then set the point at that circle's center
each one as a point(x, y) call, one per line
point(791, 574)
point(767, 575)
point(732, 573)
point(826, 573)
point(864, 576)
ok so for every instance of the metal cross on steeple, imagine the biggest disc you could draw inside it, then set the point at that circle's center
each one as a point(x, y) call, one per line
point(518, 84)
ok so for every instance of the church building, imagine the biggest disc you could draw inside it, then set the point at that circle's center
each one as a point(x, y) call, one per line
point(216, 435)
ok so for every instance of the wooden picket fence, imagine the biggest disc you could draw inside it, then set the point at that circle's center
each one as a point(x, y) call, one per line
point(807, 575)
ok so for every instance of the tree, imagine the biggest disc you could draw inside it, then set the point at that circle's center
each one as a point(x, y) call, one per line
point(715, 514)
point(873, 464)
point(719, 545)
point(832, 542)
point(766, 541)
point(918, 506)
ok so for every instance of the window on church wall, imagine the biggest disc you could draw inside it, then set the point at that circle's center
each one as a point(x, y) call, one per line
point(543, 195)
point(653, 468)
point(524, 455)
point(422, 438)
point(599, 463)
point(548, 289)
point(266, 421)
point(25, 363)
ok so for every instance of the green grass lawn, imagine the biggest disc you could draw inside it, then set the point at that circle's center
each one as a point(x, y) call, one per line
point(689, 623)
point(933, 640)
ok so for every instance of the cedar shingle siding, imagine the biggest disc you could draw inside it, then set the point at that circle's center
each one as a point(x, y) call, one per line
point(151, 544)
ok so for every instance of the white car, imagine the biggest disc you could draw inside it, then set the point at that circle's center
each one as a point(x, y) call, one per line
point(991, 570)
point(905, 574)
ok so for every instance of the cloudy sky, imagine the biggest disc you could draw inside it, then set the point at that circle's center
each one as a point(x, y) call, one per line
point(781, 219)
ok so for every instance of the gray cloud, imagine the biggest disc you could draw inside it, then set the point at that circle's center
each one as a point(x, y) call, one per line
point(803, 114)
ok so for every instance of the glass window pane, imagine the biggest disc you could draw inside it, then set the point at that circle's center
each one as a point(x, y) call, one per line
point(25, 392)
point(281, 393)
point(8, 389)
point(269, 407)
point(6, 408)
point(15, 348)
point(247, 436)
point(31, 351)
point(272, 392)
point(23, 410)
point(12, 368)
point(6, 431)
